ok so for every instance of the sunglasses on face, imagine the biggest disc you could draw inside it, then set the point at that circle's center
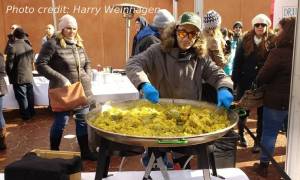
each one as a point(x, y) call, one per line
point(182, 34)
point(260, 25)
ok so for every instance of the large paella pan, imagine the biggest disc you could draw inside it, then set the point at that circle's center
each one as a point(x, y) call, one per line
point(162, 141)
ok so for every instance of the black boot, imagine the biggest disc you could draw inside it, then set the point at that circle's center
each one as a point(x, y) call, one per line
point(261, 169)
point(2, 139)
point(54, 143)
point(241, 126)
point(85, 151)
point(256, 148)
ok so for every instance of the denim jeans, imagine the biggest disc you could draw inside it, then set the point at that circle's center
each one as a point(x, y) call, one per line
point(61, 120)
point(272, 123)
point(2, 120)
point(24, 96)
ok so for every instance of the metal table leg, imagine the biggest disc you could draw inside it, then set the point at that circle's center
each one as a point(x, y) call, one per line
point(213, 163)
point(203, 161)
point(103, 160)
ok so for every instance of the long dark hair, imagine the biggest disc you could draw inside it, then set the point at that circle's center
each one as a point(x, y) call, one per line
point(286, 37)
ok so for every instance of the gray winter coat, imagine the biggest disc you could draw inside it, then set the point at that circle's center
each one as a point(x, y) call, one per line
point(19, 62)
point(175, 77)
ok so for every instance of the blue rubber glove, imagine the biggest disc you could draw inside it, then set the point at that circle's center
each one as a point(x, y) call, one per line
point(225, 97)
point(150, 93)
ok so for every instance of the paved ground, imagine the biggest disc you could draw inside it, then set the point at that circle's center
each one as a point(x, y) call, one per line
point(34, 134)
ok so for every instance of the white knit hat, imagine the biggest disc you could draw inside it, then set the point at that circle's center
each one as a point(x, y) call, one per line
point(67, 21)
point(212, 19)
point(261, 18)
point(162, 18)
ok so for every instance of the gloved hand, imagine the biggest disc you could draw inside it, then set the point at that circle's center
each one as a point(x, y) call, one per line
point(225, 97)
point(150, 93)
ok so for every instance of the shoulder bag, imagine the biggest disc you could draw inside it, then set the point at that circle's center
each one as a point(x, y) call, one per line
point(69, 97)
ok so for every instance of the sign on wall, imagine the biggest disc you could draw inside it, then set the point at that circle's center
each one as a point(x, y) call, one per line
point(284, 8)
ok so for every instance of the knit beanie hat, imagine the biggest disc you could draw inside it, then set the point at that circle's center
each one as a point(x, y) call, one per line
point(162, 18)
point(212, 19)
point(190, 18)
point(67, 21)
point(19, 33)
point(237, 23)
point(261, 18)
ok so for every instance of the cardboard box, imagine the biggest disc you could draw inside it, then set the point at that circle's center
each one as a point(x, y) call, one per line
point(49, 154)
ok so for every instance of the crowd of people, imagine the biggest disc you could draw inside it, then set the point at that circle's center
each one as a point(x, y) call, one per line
point(191, 62)
point(170, 59)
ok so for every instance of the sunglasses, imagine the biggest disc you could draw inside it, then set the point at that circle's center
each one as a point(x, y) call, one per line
point(191, 35)
point(260, 24)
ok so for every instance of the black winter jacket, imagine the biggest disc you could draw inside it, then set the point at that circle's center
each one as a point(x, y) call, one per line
point(59, 65)
point(19, 62)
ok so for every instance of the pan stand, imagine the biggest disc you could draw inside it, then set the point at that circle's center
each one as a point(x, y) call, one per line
point(205, 157)
point(156, 156)
point(205, 160)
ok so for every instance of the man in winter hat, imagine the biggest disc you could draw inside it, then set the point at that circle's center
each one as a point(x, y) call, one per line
point(151, 34)
point(162, 18)
point(237, 24)
point(177, 67)
point(212, 20)
point(11, 37)
point(20, 73)
point(237, 30)
point(190, 18)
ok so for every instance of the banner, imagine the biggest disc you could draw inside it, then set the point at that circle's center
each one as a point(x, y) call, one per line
point(284, 8)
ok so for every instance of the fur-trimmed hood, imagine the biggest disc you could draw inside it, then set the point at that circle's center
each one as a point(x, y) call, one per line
point(266, 44)
point(169, 41)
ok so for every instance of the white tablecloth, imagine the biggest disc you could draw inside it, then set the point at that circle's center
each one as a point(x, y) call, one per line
point(40, 89)
point(113, 87)
point(106, 87)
